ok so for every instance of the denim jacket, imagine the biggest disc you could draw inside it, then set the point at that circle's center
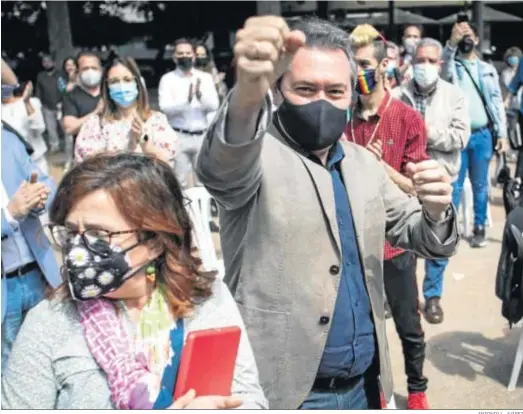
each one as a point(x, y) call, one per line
point(489, 83)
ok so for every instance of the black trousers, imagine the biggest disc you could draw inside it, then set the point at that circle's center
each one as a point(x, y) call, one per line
point(399, 274)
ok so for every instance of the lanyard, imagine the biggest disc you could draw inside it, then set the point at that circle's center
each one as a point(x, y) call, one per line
point(165, 398)
point(353, 137)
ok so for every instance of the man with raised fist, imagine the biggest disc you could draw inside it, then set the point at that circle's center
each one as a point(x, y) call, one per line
point(304, 218)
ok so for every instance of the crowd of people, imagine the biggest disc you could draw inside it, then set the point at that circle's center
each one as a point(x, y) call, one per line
point(337, 161)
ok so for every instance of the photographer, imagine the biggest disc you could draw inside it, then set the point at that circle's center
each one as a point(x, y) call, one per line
point(480, 82)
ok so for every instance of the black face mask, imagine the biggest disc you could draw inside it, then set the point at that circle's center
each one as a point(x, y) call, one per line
point(184, 63)
point(466, 45)
point(201, 62)
point(92, 275)
point(312, 126)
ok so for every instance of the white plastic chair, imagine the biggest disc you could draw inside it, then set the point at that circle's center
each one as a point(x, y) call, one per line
point(199, 210)
point(467, 209)
point(518, 362)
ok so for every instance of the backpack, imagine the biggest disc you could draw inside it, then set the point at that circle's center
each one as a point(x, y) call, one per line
point(512, 196)
point(509, 278)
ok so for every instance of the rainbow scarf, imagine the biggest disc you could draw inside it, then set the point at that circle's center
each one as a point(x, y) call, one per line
point(366, 81)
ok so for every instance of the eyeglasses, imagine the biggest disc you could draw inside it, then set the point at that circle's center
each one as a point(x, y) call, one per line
point(61, 235)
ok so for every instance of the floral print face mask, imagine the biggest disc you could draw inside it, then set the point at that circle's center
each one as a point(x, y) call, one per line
point(94, 272)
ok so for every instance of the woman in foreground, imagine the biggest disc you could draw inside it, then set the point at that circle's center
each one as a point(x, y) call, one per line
point(102, 339)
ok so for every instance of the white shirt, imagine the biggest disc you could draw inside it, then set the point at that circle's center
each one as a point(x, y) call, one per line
point(31, 127)
point(15, 250)
point(173, 94)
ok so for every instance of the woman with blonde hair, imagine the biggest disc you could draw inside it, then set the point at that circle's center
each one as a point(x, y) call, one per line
point(127, 122)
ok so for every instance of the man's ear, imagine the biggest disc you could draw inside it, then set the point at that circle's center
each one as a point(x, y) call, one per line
point(384, 63)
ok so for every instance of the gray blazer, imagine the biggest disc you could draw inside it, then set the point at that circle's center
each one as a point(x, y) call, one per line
point(282, 251)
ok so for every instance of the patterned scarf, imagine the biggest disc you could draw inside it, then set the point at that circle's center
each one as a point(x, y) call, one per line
point(132, 384)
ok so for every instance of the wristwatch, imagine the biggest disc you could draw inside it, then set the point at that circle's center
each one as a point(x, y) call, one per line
point(449, 213)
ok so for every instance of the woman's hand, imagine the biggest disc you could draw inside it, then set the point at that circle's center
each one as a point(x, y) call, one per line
point(189, 401)
point(28, 91)
point(137, 129)
point(149, 148)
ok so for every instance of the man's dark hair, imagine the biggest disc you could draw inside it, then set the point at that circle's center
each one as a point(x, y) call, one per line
point(417, 26)
point(184, 41)
point(322, 34)
point(87, 53)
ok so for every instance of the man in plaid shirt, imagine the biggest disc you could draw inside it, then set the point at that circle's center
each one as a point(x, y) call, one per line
point(396, 134)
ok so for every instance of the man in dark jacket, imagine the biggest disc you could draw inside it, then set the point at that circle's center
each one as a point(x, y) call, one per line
point(49, 94)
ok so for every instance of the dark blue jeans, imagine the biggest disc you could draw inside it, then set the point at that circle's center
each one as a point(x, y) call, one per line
point(475, 159)
point(363, 394)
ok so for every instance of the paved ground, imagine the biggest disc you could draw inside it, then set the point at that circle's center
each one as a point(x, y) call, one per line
point(470, 355)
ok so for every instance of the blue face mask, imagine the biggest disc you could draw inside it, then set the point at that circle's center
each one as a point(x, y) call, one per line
point(124, 94)
point(7, 90)
point(391, 68)
point(513, 60)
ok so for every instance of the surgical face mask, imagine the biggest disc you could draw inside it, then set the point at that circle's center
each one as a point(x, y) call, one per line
point(425, 75)
point(94, 271)
point(201, 62)
point(184, 63)
point(466, 45)
point(391, 68)
point(513, 60)
point(91, 78)
point(366, 81)
point(124, 94)
point(409, 44)
point(7, 91)
point(312, 126)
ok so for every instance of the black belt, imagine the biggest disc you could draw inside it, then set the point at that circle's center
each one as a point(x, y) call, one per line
point(22, 270)
point(187, 132)
point(335, 383)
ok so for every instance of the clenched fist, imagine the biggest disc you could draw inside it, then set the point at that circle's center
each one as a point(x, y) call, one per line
point(432, 185)
point(263, 50)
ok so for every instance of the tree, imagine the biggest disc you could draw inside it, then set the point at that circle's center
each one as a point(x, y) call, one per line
point(59, 30)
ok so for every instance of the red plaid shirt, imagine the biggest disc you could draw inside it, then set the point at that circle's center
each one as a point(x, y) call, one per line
point(403, 134)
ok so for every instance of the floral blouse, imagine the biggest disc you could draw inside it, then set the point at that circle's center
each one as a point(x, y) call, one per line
point(98, 136)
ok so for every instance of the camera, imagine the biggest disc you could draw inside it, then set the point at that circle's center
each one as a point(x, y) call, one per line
point(462, 17)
